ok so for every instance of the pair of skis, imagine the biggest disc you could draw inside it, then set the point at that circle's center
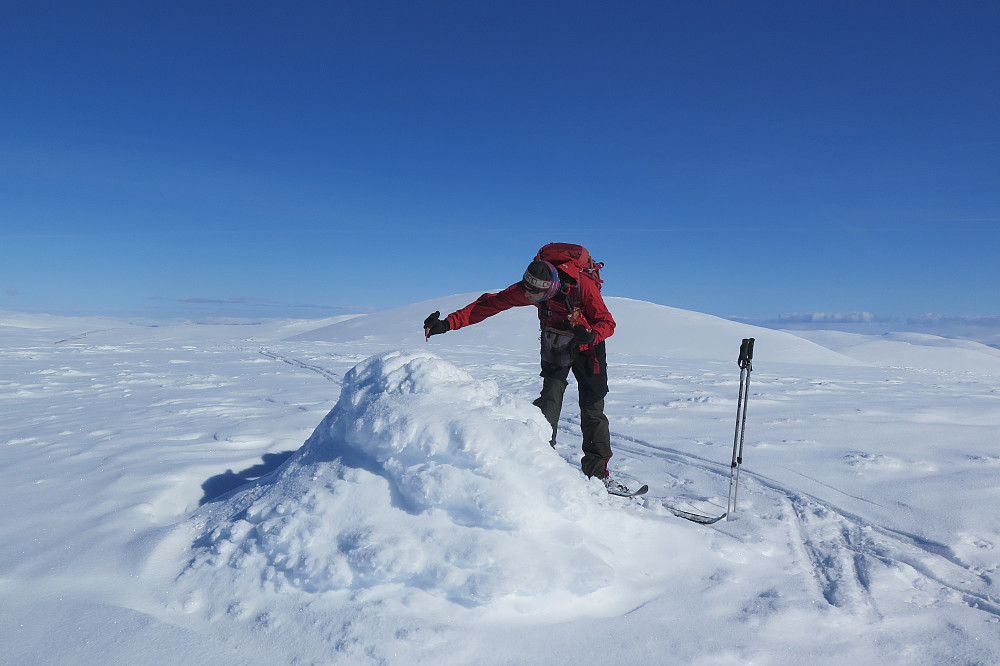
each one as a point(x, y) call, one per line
point(745, 362)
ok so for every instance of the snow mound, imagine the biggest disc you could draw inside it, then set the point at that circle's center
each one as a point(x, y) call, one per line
point(425, 479)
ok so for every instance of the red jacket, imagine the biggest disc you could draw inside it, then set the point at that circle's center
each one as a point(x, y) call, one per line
point(551, 313)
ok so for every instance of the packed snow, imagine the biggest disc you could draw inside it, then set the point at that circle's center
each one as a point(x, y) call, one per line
point(343, 492)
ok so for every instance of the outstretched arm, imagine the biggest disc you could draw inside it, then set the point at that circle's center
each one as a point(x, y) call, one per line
point(485, 306)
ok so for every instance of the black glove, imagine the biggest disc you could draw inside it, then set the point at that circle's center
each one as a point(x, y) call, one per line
point(433, 325)
point(581, 336)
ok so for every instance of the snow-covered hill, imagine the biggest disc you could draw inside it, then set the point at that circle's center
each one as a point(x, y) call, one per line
point(644, 330)
point(912, 350)
point(292, 492)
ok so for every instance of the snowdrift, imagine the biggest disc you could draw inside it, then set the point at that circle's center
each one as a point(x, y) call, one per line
point(424, 479)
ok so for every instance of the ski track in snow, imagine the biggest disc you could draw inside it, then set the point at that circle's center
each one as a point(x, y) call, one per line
point(312, 367)
point(838, 549)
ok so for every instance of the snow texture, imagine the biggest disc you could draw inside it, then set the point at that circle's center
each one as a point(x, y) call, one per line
point(342, 492)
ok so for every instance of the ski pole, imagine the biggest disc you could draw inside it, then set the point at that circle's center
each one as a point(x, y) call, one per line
point(748, 361)
point(739, 411)
point(745, 362)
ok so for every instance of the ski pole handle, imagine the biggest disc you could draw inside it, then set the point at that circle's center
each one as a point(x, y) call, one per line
point(746, 352)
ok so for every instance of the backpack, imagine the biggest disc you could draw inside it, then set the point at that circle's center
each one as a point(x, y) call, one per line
point(573, 260)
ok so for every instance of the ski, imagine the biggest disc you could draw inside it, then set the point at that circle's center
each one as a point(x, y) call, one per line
point(629, 493)
point(694, 517)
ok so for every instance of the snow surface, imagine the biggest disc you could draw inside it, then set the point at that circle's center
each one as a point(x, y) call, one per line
point(342, 492)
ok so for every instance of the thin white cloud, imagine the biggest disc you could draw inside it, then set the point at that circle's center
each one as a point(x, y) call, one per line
point(235, 300)
point(829, 318)
point(932, 319)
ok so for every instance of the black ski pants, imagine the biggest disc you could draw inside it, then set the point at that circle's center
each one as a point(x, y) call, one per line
point(591, 373)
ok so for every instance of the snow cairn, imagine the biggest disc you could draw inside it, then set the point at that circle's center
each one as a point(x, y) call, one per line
point(423, 478)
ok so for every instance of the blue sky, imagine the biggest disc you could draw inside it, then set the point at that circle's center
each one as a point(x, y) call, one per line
point(748, 159)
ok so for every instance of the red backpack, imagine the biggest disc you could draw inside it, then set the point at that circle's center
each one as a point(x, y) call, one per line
point(573, 260)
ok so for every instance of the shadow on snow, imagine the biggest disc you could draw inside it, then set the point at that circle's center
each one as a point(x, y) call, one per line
point(220, 485)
